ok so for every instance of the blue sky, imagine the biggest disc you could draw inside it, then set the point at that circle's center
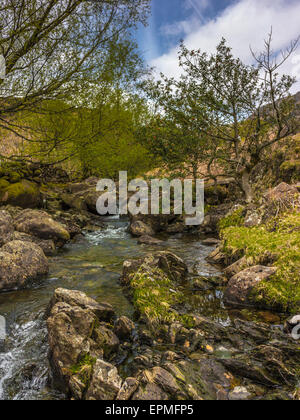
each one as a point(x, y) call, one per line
point(202, 23)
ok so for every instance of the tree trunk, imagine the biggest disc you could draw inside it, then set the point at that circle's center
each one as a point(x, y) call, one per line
point(246, 185)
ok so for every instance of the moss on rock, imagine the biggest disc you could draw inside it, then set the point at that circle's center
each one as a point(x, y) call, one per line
point(23, 194)
point(280, 239)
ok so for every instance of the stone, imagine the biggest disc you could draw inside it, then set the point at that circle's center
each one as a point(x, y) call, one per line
point(106, 340)
point(103, 311)
point(164, 380)
point(21, 263)
point(236, 267)
point(211, 242)
point(129, 387)
point(291, 323)
point(148, 240)
point(242, 284)
point(253, 218)
point(124, 328)
point(150, 392)
point(24, 194)
point(41, 225)
point(139, 228)
point(73, 202)
point(47, 246)
point(239, 394)
point(105, 384)
point(6, 227)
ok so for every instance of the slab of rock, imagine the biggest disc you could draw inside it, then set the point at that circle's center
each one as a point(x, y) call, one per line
point(149, 240)
point(21, 263)
point(236, 267)
point(242, 284)
point(239, 394)
point(150, 392)
point(41, 225)
point(6, 227)
point(139, 228)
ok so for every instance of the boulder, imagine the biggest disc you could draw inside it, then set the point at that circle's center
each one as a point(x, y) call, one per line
point(24, 194)
point(124, 327)
point(74, 298)
point(20, 263)
point(78, 341)
point(41, 225)
point(139, 228)
point(6, 227)
point(47, 246)
point(148, 240)
point(242, 284)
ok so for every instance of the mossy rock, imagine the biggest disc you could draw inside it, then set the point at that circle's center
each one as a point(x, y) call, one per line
point(23, 194)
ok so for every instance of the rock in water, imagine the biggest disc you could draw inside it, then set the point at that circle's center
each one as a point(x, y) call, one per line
point(20, 263)
point(139, 228)
point(2, 332)
point(40, 224)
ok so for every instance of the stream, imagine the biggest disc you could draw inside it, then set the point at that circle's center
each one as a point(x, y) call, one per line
point(93, 265)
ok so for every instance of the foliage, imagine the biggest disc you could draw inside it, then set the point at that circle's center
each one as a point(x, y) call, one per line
point(154, 299)
point(54, 48)
point(223, 112)
point(236, 218)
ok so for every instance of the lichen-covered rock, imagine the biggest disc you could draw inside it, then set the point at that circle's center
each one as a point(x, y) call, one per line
point(21, 263)
point(78, 340)
point(139, 228)
point(24, 194)
point(242, 284)
point(47, 246)
point(106, 382)
point(6, 227)
point(40, 224)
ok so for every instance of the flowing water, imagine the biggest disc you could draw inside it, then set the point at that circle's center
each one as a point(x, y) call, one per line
point(93, 265)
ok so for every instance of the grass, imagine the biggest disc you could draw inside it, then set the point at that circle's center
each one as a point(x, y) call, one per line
point(84, 368)
point(155, 298)
point(281, 239)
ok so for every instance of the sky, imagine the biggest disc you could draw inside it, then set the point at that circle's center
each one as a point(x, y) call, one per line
point(202, 24)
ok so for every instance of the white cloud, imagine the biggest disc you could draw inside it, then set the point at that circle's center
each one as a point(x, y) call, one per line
point(244, 23)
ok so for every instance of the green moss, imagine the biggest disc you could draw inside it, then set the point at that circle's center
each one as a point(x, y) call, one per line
point(234, 219)
point(155, 298)
point(84, 368)
point(283, 243)
point(3, 185)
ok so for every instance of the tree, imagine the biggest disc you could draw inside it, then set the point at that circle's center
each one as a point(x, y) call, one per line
point(51, 45)
point(176, 131)
point(249, 108)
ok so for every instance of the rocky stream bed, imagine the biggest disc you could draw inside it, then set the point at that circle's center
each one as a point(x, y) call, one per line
point(222, 354)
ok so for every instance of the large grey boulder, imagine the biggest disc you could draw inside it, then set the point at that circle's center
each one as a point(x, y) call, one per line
point(21, 263)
